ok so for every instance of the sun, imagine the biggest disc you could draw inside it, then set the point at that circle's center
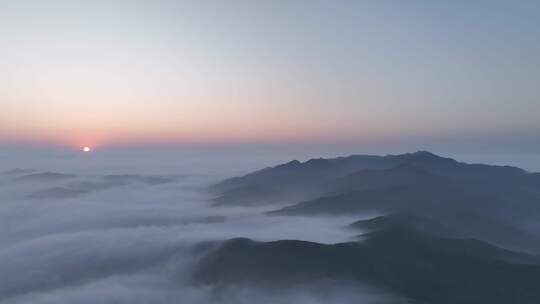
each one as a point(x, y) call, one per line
point(86, 149)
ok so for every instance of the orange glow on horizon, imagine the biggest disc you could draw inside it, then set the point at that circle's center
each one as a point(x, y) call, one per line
point(77, 140)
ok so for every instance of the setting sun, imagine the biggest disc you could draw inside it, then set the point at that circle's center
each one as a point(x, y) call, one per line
point(86, 149)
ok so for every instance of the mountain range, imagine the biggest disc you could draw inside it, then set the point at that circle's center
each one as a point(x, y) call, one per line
point(444, 232)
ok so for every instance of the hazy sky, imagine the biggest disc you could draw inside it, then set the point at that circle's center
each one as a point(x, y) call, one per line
point(110, 72)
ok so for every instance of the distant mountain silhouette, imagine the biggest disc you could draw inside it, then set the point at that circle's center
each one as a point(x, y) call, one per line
point(78, 188)
point(294, 179)
point(18, 171)
point(490, 203)
point(311, 179)
point(45, 176)
point(128, 178)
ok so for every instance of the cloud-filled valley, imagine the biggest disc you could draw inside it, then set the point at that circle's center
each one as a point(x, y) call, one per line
point(393, 229)
point(128, 238)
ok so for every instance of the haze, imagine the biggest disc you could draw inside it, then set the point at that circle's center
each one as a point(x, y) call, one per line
point(98, 73)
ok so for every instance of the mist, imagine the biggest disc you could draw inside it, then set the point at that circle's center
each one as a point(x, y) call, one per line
point(123, 227)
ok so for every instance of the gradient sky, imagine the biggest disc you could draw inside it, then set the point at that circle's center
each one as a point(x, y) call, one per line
point(121, 72)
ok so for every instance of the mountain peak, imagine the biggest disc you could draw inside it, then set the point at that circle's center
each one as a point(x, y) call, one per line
point(292, 164)
point(422, 156)
point(425, 153)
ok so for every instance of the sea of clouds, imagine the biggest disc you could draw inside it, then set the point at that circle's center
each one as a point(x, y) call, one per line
point(122, 227)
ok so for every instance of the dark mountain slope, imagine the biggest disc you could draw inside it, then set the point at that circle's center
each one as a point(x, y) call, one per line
point(497, 204)
point(455, 224)
point(419, 266)
point(303, 181)
point(393, 198)
point(295, 179)
point(291, 181)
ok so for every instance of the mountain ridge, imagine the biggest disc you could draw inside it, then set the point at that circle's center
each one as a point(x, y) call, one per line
point(401, 260)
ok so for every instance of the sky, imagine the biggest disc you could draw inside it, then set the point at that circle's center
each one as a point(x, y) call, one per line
point(109, 73)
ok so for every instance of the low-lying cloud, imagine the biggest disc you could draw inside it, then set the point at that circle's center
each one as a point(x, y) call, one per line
point(73, 237)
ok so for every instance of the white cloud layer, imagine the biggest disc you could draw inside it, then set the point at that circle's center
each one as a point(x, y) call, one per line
point(130, 238)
